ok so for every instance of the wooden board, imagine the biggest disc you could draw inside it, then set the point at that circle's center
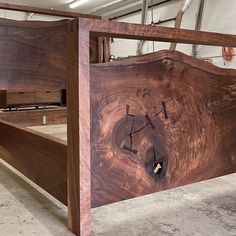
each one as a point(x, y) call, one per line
point(156, 33)
point(20, 98)
point(45, 11)
point(40, 158)
point(159, 121)
point(35, 117)
point(34, 54)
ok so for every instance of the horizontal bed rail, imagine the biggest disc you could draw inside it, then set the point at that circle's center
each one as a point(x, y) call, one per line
point(35, 117)
point(41, 158)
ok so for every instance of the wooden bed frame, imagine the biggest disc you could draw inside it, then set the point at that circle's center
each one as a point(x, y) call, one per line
point(174, 125)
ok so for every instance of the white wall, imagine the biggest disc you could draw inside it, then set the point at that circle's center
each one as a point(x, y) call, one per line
point(15, 15)
point(219, 16)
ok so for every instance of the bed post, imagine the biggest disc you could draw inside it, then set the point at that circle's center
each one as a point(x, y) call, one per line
point(78, 172)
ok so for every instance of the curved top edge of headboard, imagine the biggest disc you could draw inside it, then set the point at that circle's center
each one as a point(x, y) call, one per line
point(174, 56)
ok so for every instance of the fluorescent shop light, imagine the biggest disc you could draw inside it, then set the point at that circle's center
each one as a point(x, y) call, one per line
point(77, 3)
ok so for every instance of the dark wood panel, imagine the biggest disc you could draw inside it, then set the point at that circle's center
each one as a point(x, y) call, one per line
point(20, 98)
point(156, 33)
point(35, 117)
point(48, 97)
point(41, 159)
point(45, 11)
point(33, 55)
point(3, 99)
point(159, 121)
point(94, 48)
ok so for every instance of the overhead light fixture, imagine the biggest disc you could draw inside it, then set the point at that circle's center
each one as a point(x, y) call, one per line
point(77, 3)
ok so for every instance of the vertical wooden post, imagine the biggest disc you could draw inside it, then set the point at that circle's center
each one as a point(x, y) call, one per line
point(78, 90)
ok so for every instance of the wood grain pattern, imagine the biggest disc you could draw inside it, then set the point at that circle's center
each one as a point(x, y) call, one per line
point(191, 134)
point(3, 98)
point(35, 117)
point(34, 54)
point(39, 157)
point(45, 11)
point(159, 121)
point(21, 98)
point(156, 33)
point(48, 97)
point(78, 158)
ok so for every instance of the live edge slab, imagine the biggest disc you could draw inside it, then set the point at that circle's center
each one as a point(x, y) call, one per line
point(159, 121)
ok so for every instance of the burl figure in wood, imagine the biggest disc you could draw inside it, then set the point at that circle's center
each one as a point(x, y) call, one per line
point(159, 121)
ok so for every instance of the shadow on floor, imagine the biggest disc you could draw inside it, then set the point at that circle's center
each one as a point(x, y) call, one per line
point(205, 208)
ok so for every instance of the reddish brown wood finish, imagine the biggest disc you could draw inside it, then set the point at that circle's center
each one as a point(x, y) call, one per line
point(78, 164)
point(45, 11)
point(2, 98)
point(24, 98)
point(165, 108)
point(35, 117)
point(132, 31)
point(39, 157)
point(186, 95)
point(156, 33)
point(33, 55)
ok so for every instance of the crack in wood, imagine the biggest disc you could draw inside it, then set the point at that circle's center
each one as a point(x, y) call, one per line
point(149, 121)
point(164, 109)
point(132, 132)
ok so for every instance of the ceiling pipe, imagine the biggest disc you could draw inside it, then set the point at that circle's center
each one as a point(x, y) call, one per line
point(198, 25)
point(144, 12)
point(29, 16)
point(116, 9)
point(113, 7)
point(140, 9)
point(143, 22)
point(110, 4)
point(179, 18)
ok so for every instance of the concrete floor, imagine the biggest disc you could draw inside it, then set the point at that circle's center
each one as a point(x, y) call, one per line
point(206, 208)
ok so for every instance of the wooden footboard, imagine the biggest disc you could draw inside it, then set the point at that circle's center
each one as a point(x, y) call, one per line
point(152, 123)
point(159, 121)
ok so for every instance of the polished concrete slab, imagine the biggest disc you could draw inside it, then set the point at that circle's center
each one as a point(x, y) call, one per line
point(203, 209)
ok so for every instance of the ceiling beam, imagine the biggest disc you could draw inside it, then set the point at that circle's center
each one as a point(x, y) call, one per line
point(45, 11)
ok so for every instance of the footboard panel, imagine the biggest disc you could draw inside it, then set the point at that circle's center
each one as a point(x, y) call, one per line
point(159, 121)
